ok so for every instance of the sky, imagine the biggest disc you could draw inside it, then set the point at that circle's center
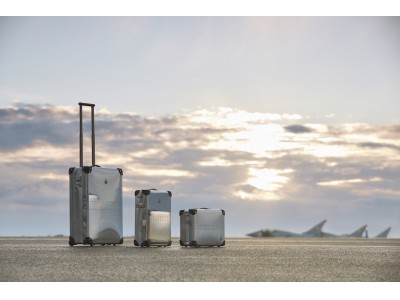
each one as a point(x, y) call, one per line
point(281, 121)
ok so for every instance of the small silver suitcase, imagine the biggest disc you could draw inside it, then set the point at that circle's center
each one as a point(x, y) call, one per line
point(95, 200)
point(202, 227)
point(152, 218)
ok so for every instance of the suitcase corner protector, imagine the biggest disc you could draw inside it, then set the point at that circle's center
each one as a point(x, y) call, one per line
point(71, 241)
point(87, 169)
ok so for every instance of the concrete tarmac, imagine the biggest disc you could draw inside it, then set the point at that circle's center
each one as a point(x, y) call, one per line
point(242, 259)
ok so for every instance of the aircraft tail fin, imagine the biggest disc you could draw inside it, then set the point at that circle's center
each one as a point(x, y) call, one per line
point(385, 233)
point(359, 232)
point(316, 229)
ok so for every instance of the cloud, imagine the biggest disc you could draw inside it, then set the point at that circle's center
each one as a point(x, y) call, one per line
point(378, 145)
point(24, 125)
point(227, 158)
point(298, 129)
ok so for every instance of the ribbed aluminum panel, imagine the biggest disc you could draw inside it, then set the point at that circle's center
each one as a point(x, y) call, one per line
point(207, 227)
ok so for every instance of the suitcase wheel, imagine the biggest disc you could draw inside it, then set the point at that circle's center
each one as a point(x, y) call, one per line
point(114, 245)
point(88, 240)
point(103, 244)
point(135, 242)
point(71, 241)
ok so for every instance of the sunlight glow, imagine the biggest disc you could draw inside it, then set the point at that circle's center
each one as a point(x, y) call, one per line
point(53, 176)
point(268, 179)
point(258, 195)
point(219, 162)
point(216, 162)
point(39, 152)
point(261, 140)
point(349, 181)
point(161, 171)
point(230, 117)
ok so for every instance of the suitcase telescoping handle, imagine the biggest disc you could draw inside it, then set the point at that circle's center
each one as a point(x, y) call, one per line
point(81, 134)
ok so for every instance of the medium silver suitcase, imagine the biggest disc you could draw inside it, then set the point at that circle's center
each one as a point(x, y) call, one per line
point(95, 200)
point(152, 218)
point(202, 227)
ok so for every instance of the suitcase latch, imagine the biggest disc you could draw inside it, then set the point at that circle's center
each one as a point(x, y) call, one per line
point(78, 181)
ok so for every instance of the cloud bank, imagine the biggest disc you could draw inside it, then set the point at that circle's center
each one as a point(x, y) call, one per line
point(266, 170)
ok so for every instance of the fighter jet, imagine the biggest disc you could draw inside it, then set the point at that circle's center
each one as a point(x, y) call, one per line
point(313, 232)
point(356, 234)
point(384, 234)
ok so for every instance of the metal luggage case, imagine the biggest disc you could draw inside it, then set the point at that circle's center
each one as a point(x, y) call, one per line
point(95, 200)
point(206, 227)
point(152, 218)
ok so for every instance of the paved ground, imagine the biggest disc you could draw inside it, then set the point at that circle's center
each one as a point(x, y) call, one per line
point(242, 259)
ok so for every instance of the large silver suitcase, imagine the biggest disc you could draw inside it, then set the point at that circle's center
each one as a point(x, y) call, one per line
point(95, 199)
point(152, 218)
point(202, 227)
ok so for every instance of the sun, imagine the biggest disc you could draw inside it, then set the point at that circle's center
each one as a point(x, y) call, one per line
point(268, 179)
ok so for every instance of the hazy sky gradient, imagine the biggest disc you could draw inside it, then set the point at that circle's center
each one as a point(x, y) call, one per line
point(310, 66)
point(282, 122)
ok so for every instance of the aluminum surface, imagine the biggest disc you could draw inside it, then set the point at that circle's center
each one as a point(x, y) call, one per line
point(159, 227)
point(147, 202)
point(105, 205)
point(207, 227)
point(96, 205)
point(184, 218)
point(78, 206)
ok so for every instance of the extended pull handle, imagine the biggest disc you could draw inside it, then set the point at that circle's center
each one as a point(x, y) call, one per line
point(81, 134)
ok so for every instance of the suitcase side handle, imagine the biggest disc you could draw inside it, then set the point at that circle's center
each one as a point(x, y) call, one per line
point(81, 134)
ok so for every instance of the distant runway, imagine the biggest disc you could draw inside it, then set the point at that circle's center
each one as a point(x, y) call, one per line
point(242, 259)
